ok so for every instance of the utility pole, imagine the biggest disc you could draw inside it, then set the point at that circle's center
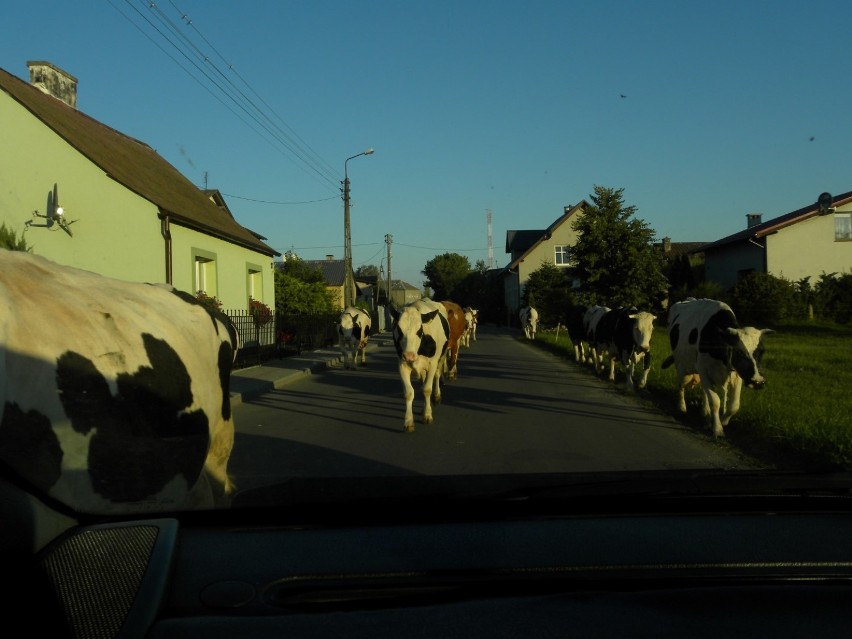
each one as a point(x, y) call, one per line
point(348, 281)
point(389, 241)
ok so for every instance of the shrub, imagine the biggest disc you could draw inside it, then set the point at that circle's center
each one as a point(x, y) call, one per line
point(211, 302)
point(761, 298)
point(260, 312)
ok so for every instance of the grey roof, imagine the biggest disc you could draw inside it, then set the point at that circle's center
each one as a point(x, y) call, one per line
point(333, 271)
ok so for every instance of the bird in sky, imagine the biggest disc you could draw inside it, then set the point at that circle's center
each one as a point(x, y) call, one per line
point(623, 96)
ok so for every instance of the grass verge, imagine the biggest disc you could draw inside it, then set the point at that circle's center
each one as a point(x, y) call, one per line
point(800, 420)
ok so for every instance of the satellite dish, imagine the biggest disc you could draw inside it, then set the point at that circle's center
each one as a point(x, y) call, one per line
point(824, 202)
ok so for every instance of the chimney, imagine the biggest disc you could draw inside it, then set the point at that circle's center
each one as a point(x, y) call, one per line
point(53, 81)
point(752, 219)
point(667, 245)
point(329, 257)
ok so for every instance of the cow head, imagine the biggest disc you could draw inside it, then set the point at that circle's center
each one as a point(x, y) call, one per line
point(744, 352)
point(409, 337)
point(643, 329)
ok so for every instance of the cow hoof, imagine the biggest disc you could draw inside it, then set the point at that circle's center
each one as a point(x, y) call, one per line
point(409, 428)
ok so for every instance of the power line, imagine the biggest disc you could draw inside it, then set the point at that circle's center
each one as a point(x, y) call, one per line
point(208, 74)
point(249, 199)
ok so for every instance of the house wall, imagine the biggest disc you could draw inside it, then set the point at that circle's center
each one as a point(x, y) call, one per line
point(544, 252)
point(115, 232)
point(808, 249)
point(724, 265)
point(232, 265)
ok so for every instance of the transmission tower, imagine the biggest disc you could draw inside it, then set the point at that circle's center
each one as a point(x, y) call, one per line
point(490, 240)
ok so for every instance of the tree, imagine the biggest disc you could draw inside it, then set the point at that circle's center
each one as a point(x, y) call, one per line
point(445, 273)
point(367, 270)
point(9, 240)
point(300, 289)
point(549, 291)
point(617, 261)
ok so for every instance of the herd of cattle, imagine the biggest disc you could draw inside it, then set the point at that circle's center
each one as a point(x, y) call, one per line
point(116, 393)
point(709, 349)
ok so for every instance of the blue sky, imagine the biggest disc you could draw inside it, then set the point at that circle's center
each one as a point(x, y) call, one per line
point(515, 108)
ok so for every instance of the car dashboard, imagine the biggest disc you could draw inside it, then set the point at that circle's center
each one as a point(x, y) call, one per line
point(434, 568)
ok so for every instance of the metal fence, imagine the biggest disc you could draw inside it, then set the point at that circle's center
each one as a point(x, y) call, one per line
point(284, 335)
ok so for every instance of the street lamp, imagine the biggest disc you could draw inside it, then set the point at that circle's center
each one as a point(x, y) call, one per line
point(348, 283)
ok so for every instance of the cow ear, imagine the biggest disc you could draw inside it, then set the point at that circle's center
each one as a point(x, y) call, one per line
point(730, 335)
point(764, 331)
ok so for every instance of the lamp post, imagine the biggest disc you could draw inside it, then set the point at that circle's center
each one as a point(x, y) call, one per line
point(348, 282)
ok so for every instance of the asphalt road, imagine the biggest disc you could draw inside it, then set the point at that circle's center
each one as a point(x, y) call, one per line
point(514, 409)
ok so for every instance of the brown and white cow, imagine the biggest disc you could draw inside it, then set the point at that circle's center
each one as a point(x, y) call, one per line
point(353, 332)
point(472, 317)
point(458, 328)
point(529, 321)
point(114, 395)
point(710, 348)
point(421, 333)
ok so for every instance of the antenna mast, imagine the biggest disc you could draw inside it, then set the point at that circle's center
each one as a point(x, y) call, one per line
point(490, 240)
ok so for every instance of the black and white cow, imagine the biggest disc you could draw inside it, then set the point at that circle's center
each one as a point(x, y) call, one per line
point(114, 395)
point(591, 319)
point(625, 334)
point(529, 321)
point(709, 347)
point(353, 332)
point(421, 334)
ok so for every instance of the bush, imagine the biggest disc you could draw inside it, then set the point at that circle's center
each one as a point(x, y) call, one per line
point(211, 302)
point(260, 312)
point(761, 298)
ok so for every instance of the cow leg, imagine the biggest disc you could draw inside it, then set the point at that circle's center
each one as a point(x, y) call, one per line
point(220, 484)
point(408, 393)
point(713, 403)
point(732, 397)
point(629, 368)
point(646, 368)
point(431, 380)
point(612, 369)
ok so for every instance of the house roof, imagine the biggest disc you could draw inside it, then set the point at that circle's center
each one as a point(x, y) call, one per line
point(526, 241)
point(677, 249)
point(771, 226)
point(333, 271)
point(133, 164)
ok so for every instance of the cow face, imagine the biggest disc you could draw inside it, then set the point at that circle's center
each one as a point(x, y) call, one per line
point(409, 337)
point(744, 353)
point(643, 329)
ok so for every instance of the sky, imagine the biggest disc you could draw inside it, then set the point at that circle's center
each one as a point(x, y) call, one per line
point(702, 112)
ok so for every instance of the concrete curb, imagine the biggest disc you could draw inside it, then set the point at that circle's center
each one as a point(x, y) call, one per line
point(249, 383)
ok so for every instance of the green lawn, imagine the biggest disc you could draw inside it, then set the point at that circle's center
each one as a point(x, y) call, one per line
point(803, 417)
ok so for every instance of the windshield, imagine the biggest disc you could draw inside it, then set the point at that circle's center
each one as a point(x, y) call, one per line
point(275, 253)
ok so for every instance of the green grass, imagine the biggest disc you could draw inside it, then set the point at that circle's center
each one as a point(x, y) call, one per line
point(801, 419)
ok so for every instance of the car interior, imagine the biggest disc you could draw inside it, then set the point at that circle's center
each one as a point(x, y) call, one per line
point(582, 558)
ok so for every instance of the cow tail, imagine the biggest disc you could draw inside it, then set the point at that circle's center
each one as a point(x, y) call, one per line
point(668, 361)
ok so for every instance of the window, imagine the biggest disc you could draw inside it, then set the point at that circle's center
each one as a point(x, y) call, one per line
point(562, 255)
point(843, 227)
point(255, 283)
point(205, 275)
